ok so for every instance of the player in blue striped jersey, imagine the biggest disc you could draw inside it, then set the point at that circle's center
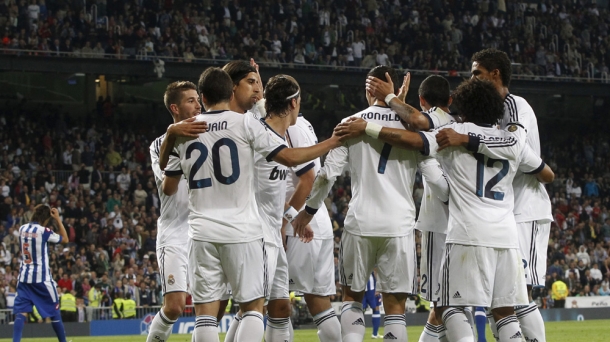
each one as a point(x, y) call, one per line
point(372, 299)
point(36, 285)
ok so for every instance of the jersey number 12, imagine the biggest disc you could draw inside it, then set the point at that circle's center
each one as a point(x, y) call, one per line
point(487, 192)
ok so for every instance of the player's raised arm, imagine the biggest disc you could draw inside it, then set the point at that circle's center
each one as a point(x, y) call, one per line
point(385, 91)
point(62, 230)
point(188, 128)
point(295, 156)
point(355, 127)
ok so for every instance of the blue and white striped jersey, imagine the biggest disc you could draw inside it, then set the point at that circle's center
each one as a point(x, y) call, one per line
point(33, 240)
point(370, 285)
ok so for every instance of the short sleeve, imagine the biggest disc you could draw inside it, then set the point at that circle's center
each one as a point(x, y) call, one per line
point(262, 139)
point(50, 236)
point(298, 138)
point(430, 146)
point(530, 163)
point(173, 168)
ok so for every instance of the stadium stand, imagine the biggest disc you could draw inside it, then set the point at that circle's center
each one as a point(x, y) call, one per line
point(545, 39)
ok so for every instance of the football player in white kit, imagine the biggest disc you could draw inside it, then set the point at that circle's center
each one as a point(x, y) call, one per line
point(311, 265)
point(224, 224)
point(182, 101)
point(532, 204)
point(482, 231)
point(379, 224)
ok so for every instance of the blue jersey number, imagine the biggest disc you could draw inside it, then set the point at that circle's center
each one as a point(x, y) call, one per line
point(487, 192)
point(383, 160)
point(203, 155)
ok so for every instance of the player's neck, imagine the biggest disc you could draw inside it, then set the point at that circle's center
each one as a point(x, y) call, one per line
point(219, 106)
point(503, 90)
point(236, 108)
point(279, 125)
point(379, 103)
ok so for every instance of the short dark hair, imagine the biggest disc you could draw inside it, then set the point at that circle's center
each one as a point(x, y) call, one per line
point(279, 92)
point(435, 90)
point(478, 101)
point(42, 213)
point(174, 91)
point(379, 72)
point(238, 70)
point(492, 59)
point(215, 85)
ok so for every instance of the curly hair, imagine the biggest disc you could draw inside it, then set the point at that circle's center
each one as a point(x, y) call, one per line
point(279, 92)
point(478, 101)
point(215, 85)
point(379, 72)
point(492, 59)
point(174, 91)
point(435, 90)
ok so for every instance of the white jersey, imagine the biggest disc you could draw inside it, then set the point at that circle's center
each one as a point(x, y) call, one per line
point(382, 181)
point(33, 240)
point(532, 202)
point(481, 198)
point(302, 134)
point(270, 187)
point(219, 167)
point(433, 213)
point(172, 225)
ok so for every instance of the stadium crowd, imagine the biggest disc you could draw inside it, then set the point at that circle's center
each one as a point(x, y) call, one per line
point(549, 38)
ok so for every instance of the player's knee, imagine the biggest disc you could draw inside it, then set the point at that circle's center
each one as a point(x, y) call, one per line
point(173, 310)
point(279, 309)
point(500, 313)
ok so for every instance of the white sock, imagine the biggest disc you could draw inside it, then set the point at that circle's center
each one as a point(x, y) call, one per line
point(492, 325)
point(470, 317)
point(458, 328)
point(160, 328)
point(508, 329)
point(532, 324)
point(395, 328)
point(329, 328)
point(230, 336)
point(352, 322)
point(206, 329)
point(442, 334)
point(430, 333)
point(251, 328)
point(278, 330)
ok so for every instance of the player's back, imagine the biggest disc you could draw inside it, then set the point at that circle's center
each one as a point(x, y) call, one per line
point(532, 201)
point(219, 167)
point(302, 134)
point(433, 213)
point(33, 240)
point(172, 225)
point(382, 181)
point(481, 194)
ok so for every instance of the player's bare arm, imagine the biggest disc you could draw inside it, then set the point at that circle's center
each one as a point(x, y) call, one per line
point(187, 128)
point(62, 230)
point(301, 191)
point(294, 156)
point(409, 114)
point(546, 175)
point(170, 184)
point(355, 127)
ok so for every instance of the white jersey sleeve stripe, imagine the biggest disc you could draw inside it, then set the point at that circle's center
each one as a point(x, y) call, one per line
point(430, 122)
point(303, 170)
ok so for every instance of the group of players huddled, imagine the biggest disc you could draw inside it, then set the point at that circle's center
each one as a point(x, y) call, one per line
point(242, 195)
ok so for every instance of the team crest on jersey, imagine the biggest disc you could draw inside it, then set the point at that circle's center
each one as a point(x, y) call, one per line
point(512, 128)
point(171, 280)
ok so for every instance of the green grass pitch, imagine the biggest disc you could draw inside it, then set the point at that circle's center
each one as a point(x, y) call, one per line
point(570, 331)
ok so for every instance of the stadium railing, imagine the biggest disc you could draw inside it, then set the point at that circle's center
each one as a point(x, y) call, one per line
point(147, 57)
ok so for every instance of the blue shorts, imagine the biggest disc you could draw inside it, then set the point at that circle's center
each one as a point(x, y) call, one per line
point(42, 295)
point(371, 300)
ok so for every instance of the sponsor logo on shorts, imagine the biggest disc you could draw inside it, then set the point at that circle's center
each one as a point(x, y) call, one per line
point(171, 280)
point(457, 295)
point(517, 335)
point(291, 282)
point(390, 336)
point(531, 340)
point(351, 276)
point(359, 321)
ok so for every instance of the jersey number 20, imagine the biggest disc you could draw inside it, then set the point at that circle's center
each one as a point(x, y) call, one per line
point(203, 155)
point(487, 192)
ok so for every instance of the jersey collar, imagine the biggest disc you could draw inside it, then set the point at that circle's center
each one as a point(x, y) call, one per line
point(271, 129)
point(215, 111)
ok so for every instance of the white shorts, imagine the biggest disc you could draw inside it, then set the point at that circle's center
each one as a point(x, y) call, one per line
point(432, 250)
point(277, 273)
point(482, 276)
point(173, 268)
point(533, 244)
point(212, 265)
point(394, 257)
point(311, 266)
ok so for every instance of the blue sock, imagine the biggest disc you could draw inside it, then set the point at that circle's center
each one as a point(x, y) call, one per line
point(58, 326)
point(480, 320)
point(18, 327)
point(376, 321)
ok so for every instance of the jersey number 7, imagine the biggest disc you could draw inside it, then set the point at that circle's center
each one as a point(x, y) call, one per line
point(494, 195)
